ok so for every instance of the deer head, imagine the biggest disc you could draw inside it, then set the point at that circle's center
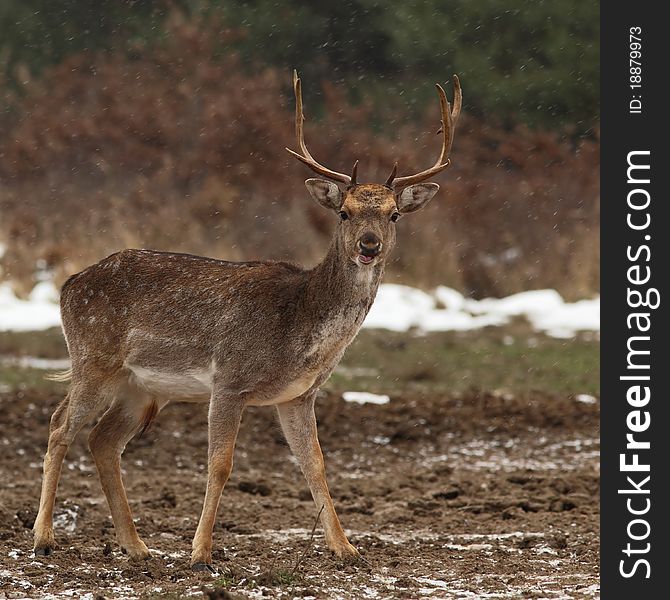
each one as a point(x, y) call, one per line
point(368, 211)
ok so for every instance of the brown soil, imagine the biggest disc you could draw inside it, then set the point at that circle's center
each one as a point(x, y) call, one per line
point(446, 497)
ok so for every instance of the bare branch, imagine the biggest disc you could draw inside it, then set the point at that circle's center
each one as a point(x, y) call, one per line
point(309, 543)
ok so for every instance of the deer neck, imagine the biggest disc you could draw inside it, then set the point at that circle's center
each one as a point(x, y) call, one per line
point(339, 287)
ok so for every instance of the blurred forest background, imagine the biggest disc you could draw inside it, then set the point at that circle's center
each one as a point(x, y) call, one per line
point(162, 124)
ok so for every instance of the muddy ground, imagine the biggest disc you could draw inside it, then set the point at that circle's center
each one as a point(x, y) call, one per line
point(446, 495)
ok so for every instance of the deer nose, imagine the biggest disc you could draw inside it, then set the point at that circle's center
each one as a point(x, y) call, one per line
point(370, 244)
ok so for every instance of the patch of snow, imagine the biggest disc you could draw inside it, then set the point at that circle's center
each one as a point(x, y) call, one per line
point(32, 362)
point(509, 457)
point(585, 398)
point(476, 547)
point(432, 582)
point(365, 398)
point(591, 589)
point(381, 440)
point(450, 298)
point(565, 320)
point(523, 303)
point(400, 308)
point(40, 311)
point(67, 518)
point(45, 291)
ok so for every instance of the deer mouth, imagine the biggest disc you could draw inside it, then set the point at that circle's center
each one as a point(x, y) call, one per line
point(365, 260)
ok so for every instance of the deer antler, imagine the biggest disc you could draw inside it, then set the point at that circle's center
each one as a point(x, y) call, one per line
point(304, 156)
point(449, 118)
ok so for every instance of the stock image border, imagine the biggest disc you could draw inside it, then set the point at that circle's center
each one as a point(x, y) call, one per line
point(634, 497)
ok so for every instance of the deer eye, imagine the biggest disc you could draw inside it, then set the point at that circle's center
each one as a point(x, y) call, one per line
point(343, 215)
point(395, 216)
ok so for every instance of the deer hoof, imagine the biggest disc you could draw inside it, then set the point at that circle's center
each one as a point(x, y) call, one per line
point(44, 551)
point(201, 567)
point(346, 552)
point(137, 554)
point(139, 557)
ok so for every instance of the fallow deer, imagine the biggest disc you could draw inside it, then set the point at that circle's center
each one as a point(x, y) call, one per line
point(144, 328)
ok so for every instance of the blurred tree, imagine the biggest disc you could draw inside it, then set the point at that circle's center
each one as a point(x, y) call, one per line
point(37, 33)
point(533, 61)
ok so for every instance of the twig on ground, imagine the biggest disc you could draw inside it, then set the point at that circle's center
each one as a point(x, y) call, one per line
point(309, 542)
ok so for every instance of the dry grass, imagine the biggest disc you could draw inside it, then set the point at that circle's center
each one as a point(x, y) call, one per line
point(180, 147)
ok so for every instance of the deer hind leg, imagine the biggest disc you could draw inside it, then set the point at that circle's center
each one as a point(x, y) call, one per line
point(83, 402)
point(298, 422)
point(224, 422)
point(107, 442)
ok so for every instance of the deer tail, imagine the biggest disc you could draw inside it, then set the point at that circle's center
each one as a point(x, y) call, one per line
point(60, 376)
point(149, 415)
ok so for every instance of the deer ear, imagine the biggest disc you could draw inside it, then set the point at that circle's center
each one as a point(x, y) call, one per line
point(326, 193)
point(416, 196)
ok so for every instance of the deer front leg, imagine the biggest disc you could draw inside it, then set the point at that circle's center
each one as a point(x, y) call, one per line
point(225, 415)
point(299, 424)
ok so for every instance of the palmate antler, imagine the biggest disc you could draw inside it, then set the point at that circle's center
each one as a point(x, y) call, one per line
point(449, 118)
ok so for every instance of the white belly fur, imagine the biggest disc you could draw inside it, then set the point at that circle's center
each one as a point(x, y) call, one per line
point(188, 384)
point(197, 384)
point(292, 390)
